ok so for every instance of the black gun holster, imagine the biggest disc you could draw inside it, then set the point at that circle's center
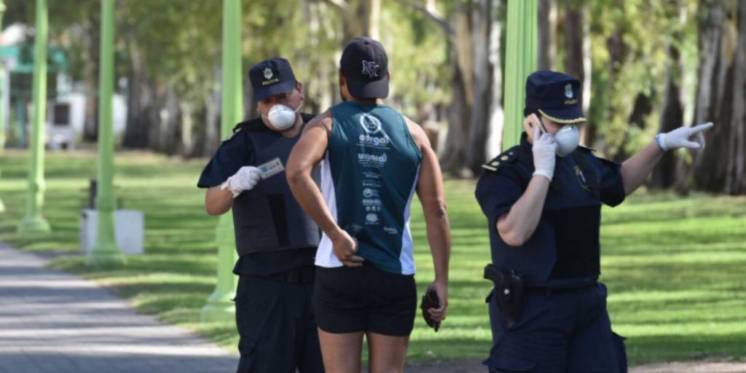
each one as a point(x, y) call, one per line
point(509, 291)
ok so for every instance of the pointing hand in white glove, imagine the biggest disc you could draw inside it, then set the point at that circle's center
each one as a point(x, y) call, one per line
point(245, 179)
point(680, 137)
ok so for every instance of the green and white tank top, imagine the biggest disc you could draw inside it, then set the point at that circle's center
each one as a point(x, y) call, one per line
point(368, 177)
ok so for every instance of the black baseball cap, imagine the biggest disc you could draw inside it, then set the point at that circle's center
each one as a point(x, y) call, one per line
point(365, 66)
point(271, 77)
point(554, 95)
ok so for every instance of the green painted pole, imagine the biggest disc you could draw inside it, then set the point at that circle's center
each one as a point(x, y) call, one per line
point(105, 251)
point(219, 305)
point(33, 222)
point(2, 101)
point(520, 61)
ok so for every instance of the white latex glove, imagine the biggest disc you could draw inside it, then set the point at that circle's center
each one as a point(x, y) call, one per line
point(245, 179)
point(679, 138)
point(544, 150)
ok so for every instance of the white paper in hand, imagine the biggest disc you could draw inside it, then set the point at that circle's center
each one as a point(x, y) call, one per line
point(271, 168)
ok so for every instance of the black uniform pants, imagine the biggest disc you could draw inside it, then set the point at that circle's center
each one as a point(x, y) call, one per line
point(277, 328)
point(563, 332)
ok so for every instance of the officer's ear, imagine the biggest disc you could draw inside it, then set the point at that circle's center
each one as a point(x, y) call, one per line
point(341, 80)
point(343, 93)
point(299, 88)
point(529, 119)
point(527, 126)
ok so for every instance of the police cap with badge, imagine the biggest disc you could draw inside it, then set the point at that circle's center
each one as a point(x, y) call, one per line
point(555, 96)
point(271, 77)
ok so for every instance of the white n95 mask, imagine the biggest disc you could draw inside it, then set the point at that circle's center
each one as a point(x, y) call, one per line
point(281, 117)
point(567, 138)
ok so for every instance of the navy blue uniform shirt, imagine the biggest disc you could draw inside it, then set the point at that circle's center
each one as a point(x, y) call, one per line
point(564, 249)
point(233, 154)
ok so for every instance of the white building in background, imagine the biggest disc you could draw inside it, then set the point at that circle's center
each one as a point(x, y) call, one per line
point(66, 115)
point(66, 106)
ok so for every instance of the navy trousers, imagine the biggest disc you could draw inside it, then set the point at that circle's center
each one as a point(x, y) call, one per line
point(277, 328)
point(557, 332)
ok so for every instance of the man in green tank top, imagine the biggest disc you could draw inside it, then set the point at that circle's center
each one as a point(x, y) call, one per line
point(372, 159)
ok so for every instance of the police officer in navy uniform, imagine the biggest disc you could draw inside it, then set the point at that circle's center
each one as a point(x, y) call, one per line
point(276, 241)
point(543, 200)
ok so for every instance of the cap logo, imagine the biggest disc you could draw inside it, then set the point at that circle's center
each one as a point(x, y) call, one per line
point(370, 69)
point(568, 90)
point(269, 77)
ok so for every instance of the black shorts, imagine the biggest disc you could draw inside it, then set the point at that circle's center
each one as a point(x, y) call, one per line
point(366, 298)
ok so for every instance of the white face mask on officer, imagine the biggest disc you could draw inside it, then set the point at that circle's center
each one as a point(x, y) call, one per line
point(281, 117)
point(567, 138)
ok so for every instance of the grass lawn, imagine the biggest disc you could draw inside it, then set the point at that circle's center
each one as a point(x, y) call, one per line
point(674, 267)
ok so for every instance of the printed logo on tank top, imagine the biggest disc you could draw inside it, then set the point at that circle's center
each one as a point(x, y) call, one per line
point(373, 137)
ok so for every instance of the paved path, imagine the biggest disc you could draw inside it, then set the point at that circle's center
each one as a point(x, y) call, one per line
point(673, 367)
point(55, 322)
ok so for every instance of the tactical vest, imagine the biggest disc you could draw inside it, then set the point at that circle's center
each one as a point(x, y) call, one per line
point(268, 218)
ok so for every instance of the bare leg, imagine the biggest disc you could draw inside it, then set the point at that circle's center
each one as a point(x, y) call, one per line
point(387, 353)
point(341, 352)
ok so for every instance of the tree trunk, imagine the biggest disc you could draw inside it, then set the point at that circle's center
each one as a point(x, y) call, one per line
point(140, 103)
point(90, 76)
point(573, 38)
point(547, 21)
point(487, 82)
point(475, 80)
point(721, 166)
point(459, 110)
point(578, 60)
point(672, 116)
point(642, 107)
point(360, 18)
point(186, 129)
point(168, 127)
point(211, 139)
point(604, 89)
point(481, 108)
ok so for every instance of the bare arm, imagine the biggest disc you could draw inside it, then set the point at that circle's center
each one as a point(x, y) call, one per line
point(519, 224)
point(432, 197)
point(218, 201)
point(637, 168)
point(305, 155)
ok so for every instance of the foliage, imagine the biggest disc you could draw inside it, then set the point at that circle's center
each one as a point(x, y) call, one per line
point(629, 42)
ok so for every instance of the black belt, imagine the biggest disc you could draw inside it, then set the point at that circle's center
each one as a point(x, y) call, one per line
point(303, 275)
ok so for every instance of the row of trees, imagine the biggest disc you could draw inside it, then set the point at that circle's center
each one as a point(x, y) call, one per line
point(646, 66)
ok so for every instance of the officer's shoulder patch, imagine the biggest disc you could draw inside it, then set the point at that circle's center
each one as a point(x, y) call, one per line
point(505, 157)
